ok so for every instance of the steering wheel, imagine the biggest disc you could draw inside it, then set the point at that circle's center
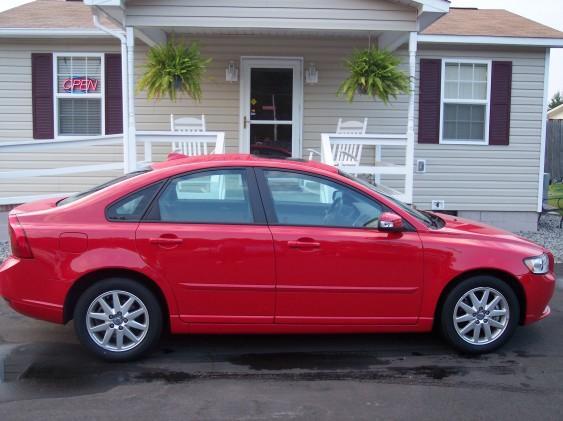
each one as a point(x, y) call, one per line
point(341, 211)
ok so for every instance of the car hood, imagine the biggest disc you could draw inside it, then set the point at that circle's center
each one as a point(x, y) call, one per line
point(477, 230)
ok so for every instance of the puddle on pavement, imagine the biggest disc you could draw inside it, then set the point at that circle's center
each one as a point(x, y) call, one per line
point(308, 361)
point(53, 370)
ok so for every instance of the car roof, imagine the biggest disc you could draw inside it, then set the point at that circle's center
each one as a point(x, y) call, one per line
point(177, 159)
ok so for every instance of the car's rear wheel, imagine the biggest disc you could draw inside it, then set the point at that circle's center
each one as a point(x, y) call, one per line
point(118, 319)
point(480, 314)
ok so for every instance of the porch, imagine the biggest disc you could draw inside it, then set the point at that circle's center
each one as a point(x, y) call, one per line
point(288, 66)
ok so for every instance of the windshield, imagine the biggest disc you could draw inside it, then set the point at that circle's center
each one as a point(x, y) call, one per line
point(77, 196)
point(426, 218)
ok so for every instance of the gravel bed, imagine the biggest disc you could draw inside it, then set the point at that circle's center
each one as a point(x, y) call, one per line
point(3, 250)
point(548, 235)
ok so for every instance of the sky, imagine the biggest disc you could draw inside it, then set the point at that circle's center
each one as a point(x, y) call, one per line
point(548, 12)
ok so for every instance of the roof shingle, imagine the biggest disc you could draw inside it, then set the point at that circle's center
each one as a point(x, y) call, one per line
point(489, 22)
point(50, 14)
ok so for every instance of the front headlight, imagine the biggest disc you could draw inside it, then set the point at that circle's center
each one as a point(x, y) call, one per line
point(538, 264)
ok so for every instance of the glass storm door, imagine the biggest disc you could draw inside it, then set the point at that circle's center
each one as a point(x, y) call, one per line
point(271, 93)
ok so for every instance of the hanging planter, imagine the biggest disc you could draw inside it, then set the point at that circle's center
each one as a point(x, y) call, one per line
point(172, 69)
point(375, 73)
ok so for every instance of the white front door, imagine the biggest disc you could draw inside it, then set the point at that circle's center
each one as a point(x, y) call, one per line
point(271, 106)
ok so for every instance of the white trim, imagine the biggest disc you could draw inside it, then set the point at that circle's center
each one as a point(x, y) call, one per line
point(295, 63)
point(543, 128)
point(15, 200)
point(46, 172)
point(68, 142)
point(100, 95)
point(51, 33)
point(490, 40)
point(486, 102)
point(554, 111)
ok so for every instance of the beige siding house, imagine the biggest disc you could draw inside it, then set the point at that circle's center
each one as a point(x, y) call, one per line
point(469, 139)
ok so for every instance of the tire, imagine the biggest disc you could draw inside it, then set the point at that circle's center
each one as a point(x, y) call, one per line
point(494, 323)
point(100, 326)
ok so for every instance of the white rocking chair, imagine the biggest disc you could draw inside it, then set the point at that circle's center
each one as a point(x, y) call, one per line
point(347, 153)
point(188, 125)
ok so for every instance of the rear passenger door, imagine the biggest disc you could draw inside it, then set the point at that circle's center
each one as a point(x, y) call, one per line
point(206, 234)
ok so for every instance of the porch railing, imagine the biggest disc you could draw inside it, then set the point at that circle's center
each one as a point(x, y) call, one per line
point(42, 146)
point(331, 144)
point(200, 143)
point(193, 144)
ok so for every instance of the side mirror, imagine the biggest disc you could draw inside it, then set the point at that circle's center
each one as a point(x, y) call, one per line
point(390, 222)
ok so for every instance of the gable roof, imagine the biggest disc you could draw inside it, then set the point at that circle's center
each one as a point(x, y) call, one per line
point(490, 23)
point(51, 14)
point(556, 112)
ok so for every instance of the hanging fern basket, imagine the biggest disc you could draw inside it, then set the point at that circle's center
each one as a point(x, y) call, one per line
point(172, 69)
point(376, 73)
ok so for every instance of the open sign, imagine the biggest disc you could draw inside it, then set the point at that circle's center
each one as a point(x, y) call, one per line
point(80, 84)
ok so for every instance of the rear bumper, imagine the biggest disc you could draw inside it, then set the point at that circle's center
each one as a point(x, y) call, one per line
point(539, 289)
point(24, 290)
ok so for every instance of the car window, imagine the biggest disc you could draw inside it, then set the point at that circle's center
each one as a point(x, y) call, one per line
point(219, 196)
point(133, 206)
point(300, 199)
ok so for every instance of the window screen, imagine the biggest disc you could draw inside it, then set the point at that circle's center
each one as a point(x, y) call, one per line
point(79, 95)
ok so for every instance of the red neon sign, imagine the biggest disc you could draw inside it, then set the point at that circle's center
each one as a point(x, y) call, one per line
point(82, 84)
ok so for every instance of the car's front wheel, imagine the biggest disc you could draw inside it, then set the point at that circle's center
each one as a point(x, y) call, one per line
point(118, 319)
point(479, 314)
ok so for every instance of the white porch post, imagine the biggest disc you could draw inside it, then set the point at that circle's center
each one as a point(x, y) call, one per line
point(409, 155)
point(130, 158)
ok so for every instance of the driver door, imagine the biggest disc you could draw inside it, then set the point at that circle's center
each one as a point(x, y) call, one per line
point(332, 264)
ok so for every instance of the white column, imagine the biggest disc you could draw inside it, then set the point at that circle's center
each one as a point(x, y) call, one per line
point(547, 63)
point(409, 155)
point(131, 148)
point(125, 103)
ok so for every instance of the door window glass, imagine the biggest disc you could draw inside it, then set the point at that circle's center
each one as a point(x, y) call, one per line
point(271, 100)
point(300, 199)
point(212, 197)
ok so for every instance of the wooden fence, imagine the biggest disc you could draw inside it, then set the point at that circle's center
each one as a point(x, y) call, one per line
point(554, 150)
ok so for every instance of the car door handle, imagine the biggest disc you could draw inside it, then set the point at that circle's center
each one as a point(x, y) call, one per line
point(304, 245)
point(165, 241)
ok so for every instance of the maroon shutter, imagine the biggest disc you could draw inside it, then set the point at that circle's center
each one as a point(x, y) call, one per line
point(114, 97)
point(430, 87)
point(42, 95)
point(501, 91)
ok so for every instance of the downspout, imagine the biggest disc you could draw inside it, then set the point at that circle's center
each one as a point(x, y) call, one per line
point(129, 159)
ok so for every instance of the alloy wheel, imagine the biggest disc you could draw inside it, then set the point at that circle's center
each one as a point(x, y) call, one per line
point(117, 321)
point(481, 315)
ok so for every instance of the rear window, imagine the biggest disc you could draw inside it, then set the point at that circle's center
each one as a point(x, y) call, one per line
point(86, 193)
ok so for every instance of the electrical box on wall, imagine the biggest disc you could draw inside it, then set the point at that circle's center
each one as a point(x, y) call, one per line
point(421, 165)
point(438, 205)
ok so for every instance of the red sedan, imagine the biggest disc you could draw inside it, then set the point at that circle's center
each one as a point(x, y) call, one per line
point(239, 244)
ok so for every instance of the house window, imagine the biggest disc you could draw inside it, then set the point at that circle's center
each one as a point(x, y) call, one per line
point(79, 94)
point(465, 102)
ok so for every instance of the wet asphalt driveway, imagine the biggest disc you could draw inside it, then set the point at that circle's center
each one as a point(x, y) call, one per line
point(45, 374)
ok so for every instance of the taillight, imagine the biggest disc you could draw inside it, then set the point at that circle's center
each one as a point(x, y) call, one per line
point(18, 239)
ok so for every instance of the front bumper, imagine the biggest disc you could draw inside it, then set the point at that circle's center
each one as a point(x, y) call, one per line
point(26, 289)
point(538, 289)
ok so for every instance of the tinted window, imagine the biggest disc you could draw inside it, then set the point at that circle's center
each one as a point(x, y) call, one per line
point(207, 197)
point(299, 199)
point(133, 206)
